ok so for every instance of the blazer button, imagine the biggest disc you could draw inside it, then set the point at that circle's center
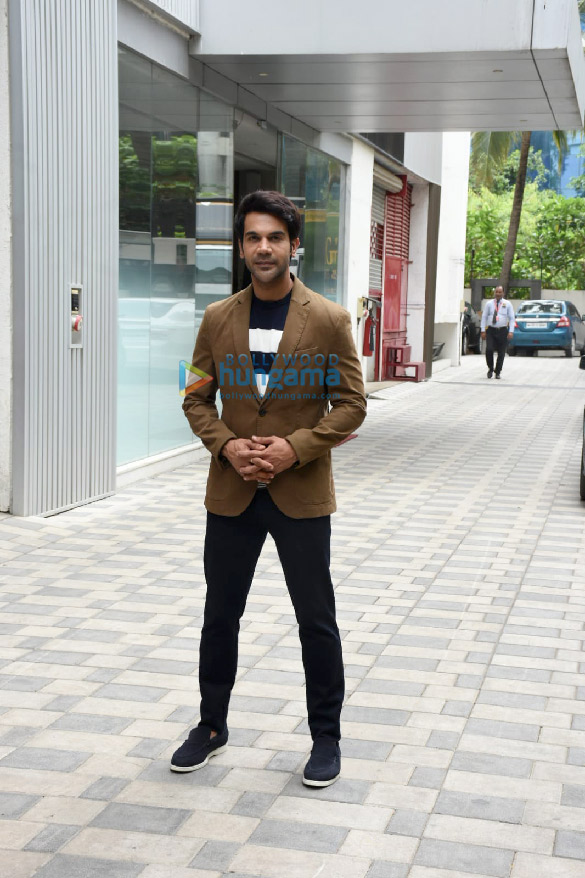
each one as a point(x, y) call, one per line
point(262, 412)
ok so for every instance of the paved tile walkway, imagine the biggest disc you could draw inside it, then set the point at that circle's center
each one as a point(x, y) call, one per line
point(460, 569)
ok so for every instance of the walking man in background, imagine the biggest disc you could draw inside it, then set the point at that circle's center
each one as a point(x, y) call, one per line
point(497, 327)
point(285, 363)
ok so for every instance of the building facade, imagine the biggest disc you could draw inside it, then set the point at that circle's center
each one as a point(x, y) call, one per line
point(132, 131)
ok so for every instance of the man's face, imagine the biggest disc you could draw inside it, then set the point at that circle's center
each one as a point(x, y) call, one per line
point(266, 247)
point(499, 292)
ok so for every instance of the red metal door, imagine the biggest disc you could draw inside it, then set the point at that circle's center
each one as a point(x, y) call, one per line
point(395, 274)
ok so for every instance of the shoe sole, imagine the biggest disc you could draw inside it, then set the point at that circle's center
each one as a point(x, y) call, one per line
point(319, 783)
point(185, 768)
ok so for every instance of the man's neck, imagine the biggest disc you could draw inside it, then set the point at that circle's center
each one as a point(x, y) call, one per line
point(274, 291)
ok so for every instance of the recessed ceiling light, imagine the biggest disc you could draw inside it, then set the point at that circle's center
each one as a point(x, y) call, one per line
point(263, 74)
point(497, 70)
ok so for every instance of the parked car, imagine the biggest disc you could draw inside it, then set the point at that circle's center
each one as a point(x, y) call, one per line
point(471, 331)
point(548, 325)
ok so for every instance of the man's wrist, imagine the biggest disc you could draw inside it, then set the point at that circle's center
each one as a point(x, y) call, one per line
point(224, 452)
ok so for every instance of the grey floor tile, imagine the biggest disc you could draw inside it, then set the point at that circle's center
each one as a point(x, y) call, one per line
point(17, 736)
point(299, 836)
point(52, 838)
point(480, 806)
point(464, 858)
point(141, 818)
point(123, 692)
point(384, 869)
point(215, 855)
point(376, 750)
point(350, 791)
point(44, 759)
point(410, 823)
point(253, 804)
point(208, 776)
point(62, 703)
point(149, 748)
point(573, 796)
point(62, 866)
point(570, 844)
point(13, 805)
point(96, 723)
point(286, 760)
point(431, 778)
point(186, 715)
point(105, 788)
point(509, 766)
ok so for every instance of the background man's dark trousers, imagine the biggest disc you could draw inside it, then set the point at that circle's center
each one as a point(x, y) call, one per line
point(496, 340)
point(232, 547)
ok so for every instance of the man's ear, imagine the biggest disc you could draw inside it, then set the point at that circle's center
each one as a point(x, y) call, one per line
point(240, 248)
point(294, 246)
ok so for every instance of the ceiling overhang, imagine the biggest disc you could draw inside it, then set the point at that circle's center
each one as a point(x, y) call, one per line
point(526, 70)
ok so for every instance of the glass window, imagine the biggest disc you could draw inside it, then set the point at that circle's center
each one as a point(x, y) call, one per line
point(313, 181)
point(176, 206)
point(541, 307)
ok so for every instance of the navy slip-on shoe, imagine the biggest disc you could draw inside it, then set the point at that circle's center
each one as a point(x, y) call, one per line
point(324, 765)
point(195, 752)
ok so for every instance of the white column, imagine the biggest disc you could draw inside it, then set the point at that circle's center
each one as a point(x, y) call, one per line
point(357, 251)
point(5, 270)
point(451, 258)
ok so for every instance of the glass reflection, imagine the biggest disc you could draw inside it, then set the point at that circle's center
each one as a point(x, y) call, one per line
point(313, 181)
point(175, 231)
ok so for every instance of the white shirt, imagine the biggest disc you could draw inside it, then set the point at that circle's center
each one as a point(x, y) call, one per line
point(505, 315)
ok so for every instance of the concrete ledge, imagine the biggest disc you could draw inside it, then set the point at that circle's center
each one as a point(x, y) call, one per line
point(441, 365)
point(159, 463)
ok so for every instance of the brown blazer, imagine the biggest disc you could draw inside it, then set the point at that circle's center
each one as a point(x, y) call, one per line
point(294, 406)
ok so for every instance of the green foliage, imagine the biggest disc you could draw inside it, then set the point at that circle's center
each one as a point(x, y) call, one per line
point(578, 183)
point(489, 152)
point(552, 228)
point(504, 177)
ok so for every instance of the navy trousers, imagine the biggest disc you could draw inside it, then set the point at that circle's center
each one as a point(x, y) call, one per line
point(232, 548)
point(496, 341)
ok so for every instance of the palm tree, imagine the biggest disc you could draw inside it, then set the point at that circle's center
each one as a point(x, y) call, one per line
point(489, 151)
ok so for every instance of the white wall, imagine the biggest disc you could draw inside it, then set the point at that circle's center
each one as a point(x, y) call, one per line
point(451, 256)
point(417, 270)
point(5, 270)
point(357, 251)
point(345, 27)
point(423, 155)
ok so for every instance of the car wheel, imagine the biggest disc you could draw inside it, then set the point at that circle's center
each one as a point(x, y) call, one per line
point(465, 343)
point(572, 349)
point(511, 352)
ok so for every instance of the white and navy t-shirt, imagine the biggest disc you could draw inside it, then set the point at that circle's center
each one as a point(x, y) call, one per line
point(267, 321)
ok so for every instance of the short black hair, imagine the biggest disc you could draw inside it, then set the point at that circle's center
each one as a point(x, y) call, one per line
point(267, 201)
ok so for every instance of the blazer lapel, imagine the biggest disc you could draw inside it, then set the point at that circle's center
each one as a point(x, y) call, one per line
point(241, 318)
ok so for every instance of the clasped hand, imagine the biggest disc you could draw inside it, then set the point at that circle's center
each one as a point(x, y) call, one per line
point(260, 458)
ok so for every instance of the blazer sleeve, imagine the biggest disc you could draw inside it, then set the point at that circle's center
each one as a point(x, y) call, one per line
point(347, 400)
point(199, 405)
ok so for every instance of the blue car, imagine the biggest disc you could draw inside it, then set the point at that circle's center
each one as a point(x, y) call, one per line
point(548, 325)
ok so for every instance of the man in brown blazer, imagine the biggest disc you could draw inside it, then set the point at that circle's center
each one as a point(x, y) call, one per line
point(291, 387)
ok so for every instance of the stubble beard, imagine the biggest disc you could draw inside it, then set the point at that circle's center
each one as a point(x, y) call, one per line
point(270, 277)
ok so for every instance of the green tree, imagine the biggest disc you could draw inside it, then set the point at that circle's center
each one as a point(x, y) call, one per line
point(489, 153)
point(551, 236)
